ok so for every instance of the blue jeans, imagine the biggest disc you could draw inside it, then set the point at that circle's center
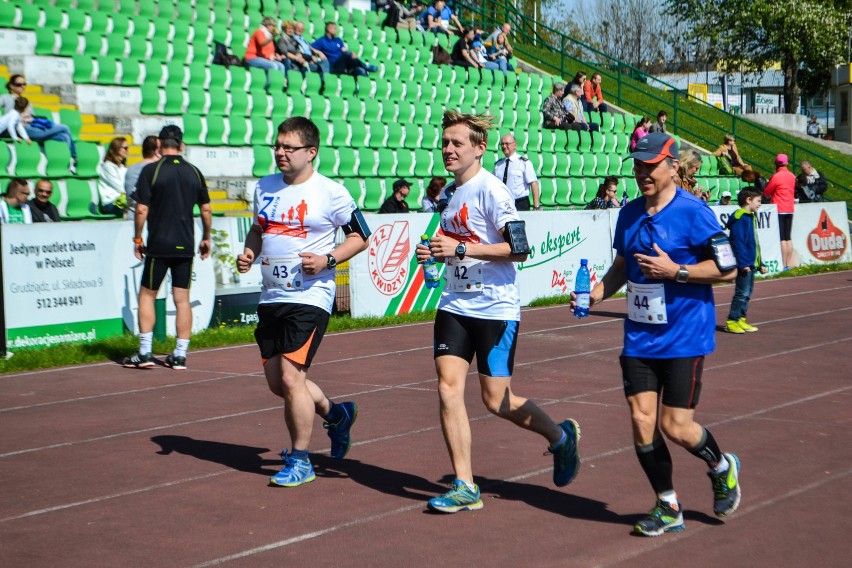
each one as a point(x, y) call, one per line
point(59, 132)
point(267, 65)
point(742, 294)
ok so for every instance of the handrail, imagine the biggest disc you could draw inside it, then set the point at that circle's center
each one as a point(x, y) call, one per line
point(542, 45)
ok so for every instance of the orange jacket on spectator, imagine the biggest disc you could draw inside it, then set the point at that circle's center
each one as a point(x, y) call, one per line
point(590, 91)
point(254, 49)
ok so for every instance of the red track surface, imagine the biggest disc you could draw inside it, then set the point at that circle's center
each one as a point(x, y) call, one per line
point(105, 466)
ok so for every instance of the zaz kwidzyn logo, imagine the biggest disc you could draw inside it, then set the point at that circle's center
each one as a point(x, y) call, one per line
point(387, 257)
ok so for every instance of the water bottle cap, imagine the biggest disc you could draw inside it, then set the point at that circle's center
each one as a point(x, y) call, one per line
point(584, 261)
point(424, 237)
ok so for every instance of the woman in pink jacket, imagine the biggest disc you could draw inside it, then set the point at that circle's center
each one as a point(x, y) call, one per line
point(781, 189)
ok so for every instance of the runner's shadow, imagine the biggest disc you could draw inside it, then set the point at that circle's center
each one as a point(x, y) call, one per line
point(614, 315)
point(388, 481)
point(235, 456)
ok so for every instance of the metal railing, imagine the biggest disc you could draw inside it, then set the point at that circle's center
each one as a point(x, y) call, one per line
point(639, 92)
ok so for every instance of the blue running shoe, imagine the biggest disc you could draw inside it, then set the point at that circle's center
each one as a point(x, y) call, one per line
point(294, 473)
point(339, 431)
point(459, 498)
point(726, 487)
point(566, 458)
point(664, 517)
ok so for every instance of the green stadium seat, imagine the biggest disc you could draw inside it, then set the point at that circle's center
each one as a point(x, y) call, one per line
point(5, 157)
point(423, 163)
point(374, 193)
point(215, 130)
point(28, 160)
point(607, 121)
point(326, 162)
point(198, 100)
point(618, 122)
point(431, 137)
point(82, 201)
point(588, 164)
point(412, 136)
point(340, 133)
point(395, 135)
point(562, 196)
point(367, 162)
point(73, 120)
point(627, 168)
point(47, 42)
point(630, 123)
point(585, 142)
point(547, 192)
point(597, 144)
point(192, 130)
point(404, 163)
point(386, 163)
point(58, 159)
point(264, 161)
point(575, 164)
point(622, 142)
point(359, 133)
point(347, 162)
point(548, 164)
point(356, 190)
point(601, 164)
point(83, 69)
point(261, 130)
point(378, 135)
point(578, 192)
point(88, 159)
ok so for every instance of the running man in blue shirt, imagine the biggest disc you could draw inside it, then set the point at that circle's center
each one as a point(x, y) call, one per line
point(669, 252)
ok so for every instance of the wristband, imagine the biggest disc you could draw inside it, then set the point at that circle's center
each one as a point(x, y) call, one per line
point(137, 241)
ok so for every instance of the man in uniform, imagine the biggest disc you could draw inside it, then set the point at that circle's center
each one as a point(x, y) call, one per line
point(669, 253)
point(517, 173)
point(166, 193)
point(479, 313)
point(297, 261)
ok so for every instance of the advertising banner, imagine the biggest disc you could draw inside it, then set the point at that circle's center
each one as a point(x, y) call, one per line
point(821, 233)
point(767, 233)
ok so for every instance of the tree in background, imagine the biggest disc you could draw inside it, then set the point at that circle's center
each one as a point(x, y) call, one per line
point(807, 38)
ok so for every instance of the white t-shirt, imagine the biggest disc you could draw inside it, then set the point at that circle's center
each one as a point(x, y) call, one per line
point(521, 175)
point(475, 214)
point(295, 219)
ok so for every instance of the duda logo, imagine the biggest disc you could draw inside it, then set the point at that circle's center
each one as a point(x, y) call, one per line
point(826, 242)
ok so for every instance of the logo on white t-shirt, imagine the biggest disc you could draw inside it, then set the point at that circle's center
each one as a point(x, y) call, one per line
point(388, 257)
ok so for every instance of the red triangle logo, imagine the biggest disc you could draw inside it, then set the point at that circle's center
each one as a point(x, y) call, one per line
point(826, 242)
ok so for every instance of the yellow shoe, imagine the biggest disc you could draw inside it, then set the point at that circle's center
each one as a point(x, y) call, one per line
point(733, 327)
point(745, 325)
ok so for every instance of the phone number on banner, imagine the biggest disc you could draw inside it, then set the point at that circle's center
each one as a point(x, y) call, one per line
point(58, 302)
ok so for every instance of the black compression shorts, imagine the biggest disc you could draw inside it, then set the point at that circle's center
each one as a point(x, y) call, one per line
point(679, 379)
point(155, 271)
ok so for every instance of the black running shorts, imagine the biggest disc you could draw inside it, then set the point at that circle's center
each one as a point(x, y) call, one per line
point(155, 270)
point(679, 380)
point(492, 341)
point(785, 226)
point(291, 330)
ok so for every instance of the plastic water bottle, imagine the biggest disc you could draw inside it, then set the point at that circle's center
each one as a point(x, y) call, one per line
point(582, 289)
point(431, 274)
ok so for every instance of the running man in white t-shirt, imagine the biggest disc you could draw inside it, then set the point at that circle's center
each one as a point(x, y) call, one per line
point(481, 238)
point(296, 217)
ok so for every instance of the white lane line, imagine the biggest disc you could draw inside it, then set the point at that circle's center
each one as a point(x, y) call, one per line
point(672, 538)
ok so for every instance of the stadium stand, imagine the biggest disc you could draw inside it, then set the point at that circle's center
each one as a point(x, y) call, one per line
point(374, 129)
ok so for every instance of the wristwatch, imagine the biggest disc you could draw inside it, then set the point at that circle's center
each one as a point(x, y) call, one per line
point(461, 250)
point(682, 275)
point(332, 262)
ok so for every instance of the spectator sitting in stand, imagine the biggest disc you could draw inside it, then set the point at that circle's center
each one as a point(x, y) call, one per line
point(753, 178)
point(11, 121)
point(112, 172)
point(439, 19)
point(593, 95)
point(400, 16)
point(482, 57)
point(501, 52)
point(14, 208)
point(640, 131)
point(462, 54)
point(396, 202)
point(43, 211)
point(340, 60)
point(606, 198)
point(660, 125)
point(690, 163)
point(579, 79)
point(150, 154)
point(810, 184)
point(729, 157)
point(725, 199)
point(260, 52)
point(505, 29)
point(573, 105)
point(554, 115)
point(315, 59)
point(433, 191)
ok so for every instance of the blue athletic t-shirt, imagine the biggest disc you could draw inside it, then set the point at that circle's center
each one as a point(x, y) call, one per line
point(682, 229)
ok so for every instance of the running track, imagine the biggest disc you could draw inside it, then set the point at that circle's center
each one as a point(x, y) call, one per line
point(105, 466)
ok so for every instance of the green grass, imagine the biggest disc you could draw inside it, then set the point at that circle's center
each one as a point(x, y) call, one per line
point(116, 348)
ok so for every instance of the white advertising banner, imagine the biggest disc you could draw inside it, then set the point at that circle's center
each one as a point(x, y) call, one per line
point(821, 233)
point(767, 233)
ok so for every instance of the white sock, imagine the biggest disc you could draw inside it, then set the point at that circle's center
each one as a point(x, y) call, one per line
point(669, 497)
point(145, 341)
point(471, 486)
point(181, 347)
point(722, 466)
